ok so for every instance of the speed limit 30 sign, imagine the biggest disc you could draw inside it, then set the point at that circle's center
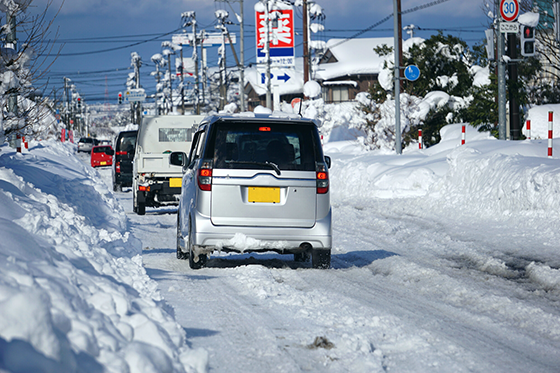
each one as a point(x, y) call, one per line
point(509, 10)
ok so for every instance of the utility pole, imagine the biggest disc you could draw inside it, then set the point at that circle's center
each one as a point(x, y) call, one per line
point(514, 122)
point(157, 60)
point(305, 43)
point(182, 82)
point(397, 79)
point(135, 107)
point(242, 62)
point(222, 16)
point(267, 40)
point(170, 80)
point(501, 77)
point(189, 19)
point(66, 100)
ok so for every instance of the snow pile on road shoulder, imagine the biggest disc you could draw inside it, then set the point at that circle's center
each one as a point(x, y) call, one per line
point(73, 293)
point(482, 177)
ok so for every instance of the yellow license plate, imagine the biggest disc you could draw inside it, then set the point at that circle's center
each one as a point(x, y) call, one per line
point(264, 195)
point(103, 163)
point(175, 182)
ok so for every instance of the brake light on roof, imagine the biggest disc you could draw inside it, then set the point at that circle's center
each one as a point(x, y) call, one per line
point(204, 177)
point(322, 179)
point(121, 153)
point(264, 129)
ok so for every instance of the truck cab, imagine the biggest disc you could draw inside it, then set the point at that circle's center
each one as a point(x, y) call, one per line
point(155, 181)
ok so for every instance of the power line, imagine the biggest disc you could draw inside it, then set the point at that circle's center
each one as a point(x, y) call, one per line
point(109, 49)
point(411, 10)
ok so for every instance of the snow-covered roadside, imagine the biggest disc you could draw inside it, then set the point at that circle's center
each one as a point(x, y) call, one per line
point(73, 293)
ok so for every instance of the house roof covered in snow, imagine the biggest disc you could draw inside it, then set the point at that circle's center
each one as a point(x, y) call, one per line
point(352, 57)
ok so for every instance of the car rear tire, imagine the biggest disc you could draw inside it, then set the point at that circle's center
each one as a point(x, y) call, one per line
point(321, 259)
point(202, 258)
point(141, 209)
point(117, 187)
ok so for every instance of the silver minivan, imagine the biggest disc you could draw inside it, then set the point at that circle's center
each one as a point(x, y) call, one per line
point(253, 184)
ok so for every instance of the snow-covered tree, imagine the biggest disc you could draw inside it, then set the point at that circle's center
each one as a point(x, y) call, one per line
point(23, 109)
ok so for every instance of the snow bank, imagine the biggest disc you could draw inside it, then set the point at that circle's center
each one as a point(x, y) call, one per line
point(483, 177)
point(538, 116)
point(74, 295)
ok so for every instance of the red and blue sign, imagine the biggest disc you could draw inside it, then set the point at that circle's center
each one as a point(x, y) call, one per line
point(281, 36)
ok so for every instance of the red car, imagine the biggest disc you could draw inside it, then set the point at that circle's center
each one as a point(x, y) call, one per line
point(102, 155)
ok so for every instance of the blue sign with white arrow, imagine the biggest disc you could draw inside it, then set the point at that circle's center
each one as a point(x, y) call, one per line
point(412, 72)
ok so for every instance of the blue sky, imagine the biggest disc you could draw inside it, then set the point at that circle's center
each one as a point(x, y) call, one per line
point(89, 27)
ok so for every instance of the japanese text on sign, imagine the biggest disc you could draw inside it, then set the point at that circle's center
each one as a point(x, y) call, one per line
point(281, 29)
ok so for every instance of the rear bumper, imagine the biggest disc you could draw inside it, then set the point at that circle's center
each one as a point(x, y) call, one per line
point(160, 194)
point(209, 237)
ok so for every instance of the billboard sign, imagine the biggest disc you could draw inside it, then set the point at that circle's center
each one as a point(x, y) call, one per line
point(281, 34)
point(212, 38)
point(134, 95)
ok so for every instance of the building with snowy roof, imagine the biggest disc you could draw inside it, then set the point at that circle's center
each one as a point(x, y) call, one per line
point(348, 66)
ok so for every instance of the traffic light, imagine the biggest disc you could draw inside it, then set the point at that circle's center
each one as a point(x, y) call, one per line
point(79, 103)
point(527, 41)
point(120, 98)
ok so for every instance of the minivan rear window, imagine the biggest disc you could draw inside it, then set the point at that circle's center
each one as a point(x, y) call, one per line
point(251, 145)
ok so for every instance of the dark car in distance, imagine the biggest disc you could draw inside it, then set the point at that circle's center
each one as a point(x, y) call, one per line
point(125, 144)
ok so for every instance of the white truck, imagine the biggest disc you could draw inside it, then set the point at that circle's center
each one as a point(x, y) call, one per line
point(155, 182)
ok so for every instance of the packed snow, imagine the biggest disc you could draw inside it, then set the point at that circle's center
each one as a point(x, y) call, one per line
point(445, 259)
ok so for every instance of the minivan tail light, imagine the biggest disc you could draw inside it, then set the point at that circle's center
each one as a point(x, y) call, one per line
point(118, 167)
point(322, 179)
point(204, 177)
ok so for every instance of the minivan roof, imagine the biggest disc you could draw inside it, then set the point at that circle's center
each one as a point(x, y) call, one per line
point(249, 117)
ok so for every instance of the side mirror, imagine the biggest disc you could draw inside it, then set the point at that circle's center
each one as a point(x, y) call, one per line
point(328, 161)
point(110, 152)
point(178, 159)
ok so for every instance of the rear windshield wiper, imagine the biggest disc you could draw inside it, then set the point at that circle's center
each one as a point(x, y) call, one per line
point(274, 166)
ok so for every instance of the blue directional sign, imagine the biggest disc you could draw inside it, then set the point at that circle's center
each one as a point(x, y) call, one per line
point(412, 72)
point(284, 77)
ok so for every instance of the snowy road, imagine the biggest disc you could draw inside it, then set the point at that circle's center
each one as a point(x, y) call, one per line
point(413, 288)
